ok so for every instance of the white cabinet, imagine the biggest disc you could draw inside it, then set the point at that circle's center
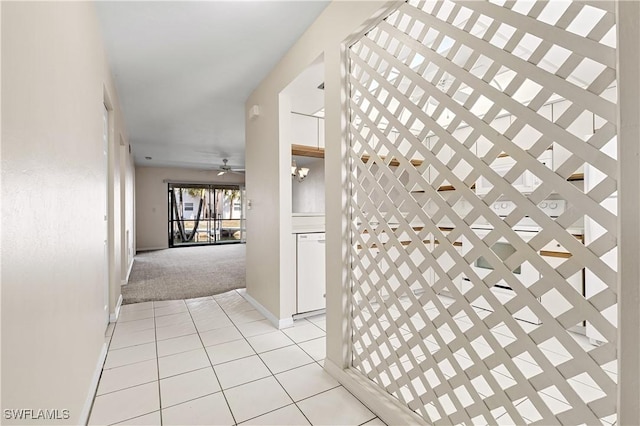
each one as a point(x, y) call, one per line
point(307, 130)
point(304, 130)
point(310, 275)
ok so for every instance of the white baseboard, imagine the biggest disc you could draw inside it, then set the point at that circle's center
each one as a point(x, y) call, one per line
point(116, 312)
point(386, 407)
point(93, 386)
point(126, 279)
point(139, 249)
point(279, 323)
point(310, 314)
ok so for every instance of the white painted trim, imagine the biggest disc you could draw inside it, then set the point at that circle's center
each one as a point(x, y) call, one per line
point(310, 314)
point(93, 386)
point(126, 279)
point(114, 316)
point(279, 323)
point(337, 209)
point(383, 405)
point(628, 284)
point(139, 249)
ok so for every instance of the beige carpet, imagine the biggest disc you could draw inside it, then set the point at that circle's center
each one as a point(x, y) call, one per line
point(185, 273)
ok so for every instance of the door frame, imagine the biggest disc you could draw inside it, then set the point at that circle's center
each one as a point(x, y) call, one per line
point(213, 221)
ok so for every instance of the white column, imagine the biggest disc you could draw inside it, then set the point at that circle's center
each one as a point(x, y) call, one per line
point(629, 207)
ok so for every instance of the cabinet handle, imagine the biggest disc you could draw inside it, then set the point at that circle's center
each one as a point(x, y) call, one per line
point(322, 241)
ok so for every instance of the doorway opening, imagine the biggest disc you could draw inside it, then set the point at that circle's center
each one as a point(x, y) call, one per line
point(204, 214)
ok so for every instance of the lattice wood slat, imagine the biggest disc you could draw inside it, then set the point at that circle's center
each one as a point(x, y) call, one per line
point(441, 92)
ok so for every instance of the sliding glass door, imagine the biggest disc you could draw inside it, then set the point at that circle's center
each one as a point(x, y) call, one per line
point(205, 214)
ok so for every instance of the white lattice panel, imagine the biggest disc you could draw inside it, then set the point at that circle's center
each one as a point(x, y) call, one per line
point(455, 106)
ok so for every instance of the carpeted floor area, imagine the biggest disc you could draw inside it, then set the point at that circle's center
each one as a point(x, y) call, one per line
point(185, 273)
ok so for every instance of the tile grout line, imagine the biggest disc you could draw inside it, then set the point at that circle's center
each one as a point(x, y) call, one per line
point(131, 418)
point(270, 371)
point(314, 361)
point(155, 331)
point(211, 364)
point(124, 365)
point(193, 399)
point(327, 390)
point(130, 363)
point(272, 375)
point(101, 372)
point(278, 381)
point(283, 388)
point(127, 387)
point(245, 338)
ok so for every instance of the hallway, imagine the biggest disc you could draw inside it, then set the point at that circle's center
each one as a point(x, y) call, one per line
point(216, 360)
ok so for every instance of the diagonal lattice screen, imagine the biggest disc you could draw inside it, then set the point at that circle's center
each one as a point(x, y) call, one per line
point(483, 178)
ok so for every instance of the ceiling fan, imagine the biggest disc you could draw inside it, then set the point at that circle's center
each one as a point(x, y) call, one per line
point(228, 169)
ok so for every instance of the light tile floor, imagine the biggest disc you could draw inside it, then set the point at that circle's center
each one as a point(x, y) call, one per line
point(217, 361)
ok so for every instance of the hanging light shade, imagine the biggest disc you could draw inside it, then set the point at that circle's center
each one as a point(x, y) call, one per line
point(298, 173)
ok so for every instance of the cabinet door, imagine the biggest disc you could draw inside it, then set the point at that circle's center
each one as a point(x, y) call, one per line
point(311, 272)
point(304, 130)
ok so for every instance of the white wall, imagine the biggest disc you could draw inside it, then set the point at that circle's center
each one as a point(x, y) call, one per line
point(308, 195)
point(151, 191)
point(268, 160)
point(54, 181)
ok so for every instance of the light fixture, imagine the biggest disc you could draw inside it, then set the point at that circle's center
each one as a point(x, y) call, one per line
point(254, 112)
point(299, 173)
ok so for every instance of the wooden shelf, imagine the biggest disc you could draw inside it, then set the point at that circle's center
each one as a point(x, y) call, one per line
point(576, 176)
point(453, 188)
point(307, 151)
point(393, 162)
point(446, 188)
point(455, 243)
point(555, 254)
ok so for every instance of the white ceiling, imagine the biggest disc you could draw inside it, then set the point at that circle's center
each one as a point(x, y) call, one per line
point(183, 71)
point(303, 91)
